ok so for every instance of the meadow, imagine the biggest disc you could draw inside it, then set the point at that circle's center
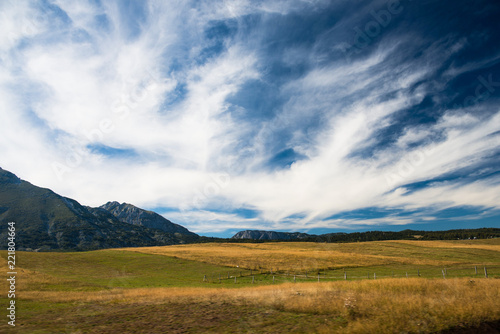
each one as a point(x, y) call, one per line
point(261, 288)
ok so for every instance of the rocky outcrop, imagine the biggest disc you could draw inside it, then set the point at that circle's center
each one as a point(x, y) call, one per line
point(270, 235)
point(130, 214)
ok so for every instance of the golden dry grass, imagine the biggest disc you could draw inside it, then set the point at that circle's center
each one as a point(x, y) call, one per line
point(464, 244)
point(27, 279)
point(382, 306)
point(276, 256)
point(269, 258)
point(414, 305)
point(311, 256)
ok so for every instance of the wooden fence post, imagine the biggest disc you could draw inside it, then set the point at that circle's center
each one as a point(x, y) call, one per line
point(318, 278)
point(345, 275)
point(475, 269)
point(234, 279)
point(204, 278)
point(406, 274)
point(273, 279)
point(485, 272)
point(293, 278)
point(444, 274)
point(374, 275)
point(418, 272)
point(253, 279)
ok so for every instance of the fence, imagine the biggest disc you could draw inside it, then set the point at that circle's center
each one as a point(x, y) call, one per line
point(247, 276)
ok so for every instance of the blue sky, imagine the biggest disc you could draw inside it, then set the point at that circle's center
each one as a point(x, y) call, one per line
point(311, 116)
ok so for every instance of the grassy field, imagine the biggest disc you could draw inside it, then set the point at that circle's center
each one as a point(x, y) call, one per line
point(162, 289)
point(359, 260)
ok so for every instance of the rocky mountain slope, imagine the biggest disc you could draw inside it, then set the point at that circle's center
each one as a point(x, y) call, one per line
point(130, 214)
point(270, 235)
point(45, 221)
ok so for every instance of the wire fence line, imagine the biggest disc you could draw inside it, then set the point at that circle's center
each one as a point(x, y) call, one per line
point(270, 276)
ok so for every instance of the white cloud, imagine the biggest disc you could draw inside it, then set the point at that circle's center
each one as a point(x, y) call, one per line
point(442, 195)
point(59, 94)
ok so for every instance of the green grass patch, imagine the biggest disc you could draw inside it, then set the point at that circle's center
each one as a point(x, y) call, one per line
point(107, 269)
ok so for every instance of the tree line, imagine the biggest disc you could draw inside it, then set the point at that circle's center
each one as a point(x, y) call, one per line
point(459, 234)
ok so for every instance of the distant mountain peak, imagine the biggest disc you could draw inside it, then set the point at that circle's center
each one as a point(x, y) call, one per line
point(270, 235)
point(131, 214)
point(8, 177)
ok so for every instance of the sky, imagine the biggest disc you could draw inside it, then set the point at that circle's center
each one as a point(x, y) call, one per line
point(287, 115)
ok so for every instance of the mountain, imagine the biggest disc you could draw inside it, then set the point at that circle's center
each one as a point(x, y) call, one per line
point(461, 234)
point(270, 235)
point(47, 221)
point(130, 214)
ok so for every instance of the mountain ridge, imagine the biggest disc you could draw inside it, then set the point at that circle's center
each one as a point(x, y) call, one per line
point(131, 214)
point(271, 235)
point(48, 221)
